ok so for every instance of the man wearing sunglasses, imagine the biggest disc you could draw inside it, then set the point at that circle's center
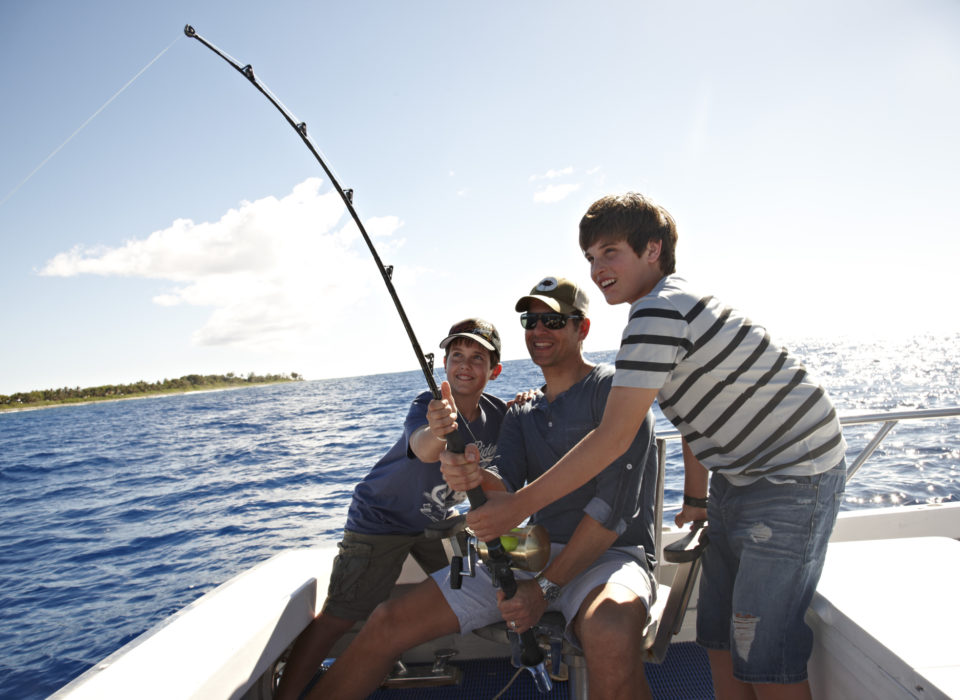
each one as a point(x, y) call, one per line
point(602, 548)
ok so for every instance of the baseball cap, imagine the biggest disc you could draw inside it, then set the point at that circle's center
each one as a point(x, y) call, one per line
point(476, 329)
point(560, 294)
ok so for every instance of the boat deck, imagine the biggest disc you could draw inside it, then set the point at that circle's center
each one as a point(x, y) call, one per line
point(683, 675)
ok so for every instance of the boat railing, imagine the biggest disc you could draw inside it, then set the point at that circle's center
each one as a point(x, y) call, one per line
point(887, 419)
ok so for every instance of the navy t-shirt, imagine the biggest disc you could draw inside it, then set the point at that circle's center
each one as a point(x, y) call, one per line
point(402, 495)
point(622, 497)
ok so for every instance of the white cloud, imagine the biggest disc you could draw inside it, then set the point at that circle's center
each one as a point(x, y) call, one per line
point(272, 270)
point(554, 193)
point(552, 174)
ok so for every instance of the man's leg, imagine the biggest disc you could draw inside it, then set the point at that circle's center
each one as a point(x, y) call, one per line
point(395, 626)
point(610, 629)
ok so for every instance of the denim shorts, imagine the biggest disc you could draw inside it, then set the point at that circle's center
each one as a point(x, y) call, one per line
point(367, 567)
point(475, 602)
point(768, 541)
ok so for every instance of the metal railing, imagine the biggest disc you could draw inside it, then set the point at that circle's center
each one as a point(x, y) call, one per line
point(887, 419)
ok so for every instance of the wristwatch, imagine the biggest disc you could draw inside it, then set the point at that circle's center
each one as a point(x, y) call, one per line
point(550, 590)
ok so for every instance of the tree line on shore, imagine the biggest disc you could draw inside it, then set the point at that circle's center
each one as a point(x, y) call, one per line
point(189, 382)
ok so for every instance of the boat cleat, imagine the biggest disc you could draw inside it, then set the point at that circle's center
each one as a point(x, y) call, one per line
point(440, 673)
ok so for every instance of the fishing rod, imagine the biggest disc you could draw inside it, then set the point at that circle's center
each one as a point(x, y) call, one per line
point(498, 559)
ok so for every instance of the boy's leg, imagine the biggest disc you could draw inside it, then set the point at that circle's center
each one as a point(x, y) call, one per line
point(727, 687)
point(309, 650)
point(395, 626)
point(363, 574)
point(432, 609)
point(767, 546)
point(429, 554)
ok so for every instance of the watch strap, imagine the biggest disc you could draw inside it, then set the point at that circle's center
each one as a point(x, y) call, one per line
point(550, 590)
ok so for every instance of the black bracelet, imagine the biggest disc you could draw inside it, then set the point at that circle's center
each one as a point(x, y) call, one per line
point(694, 502)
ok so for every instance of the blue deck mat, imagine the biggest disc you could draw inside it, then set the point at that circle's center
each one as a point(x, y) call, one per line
point(683, 675)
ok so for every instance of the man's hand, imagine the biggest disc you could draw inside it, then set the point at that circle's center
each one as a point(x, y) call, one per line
point(525, 608)
point(523, 397)
point(689, 514)
point(496, 517)
point(442, 413)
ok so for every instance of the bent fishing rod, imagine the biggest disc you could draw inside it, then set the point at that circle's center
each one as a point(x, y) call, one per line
point(498, 558)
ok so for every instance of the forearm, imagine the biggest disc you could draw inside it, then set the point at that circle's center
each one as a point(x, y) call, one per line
point(587, 459)
point(695, 484)
point(427, 446)
point(588, 541)
point(696, 477)
point(491, 481)
point(623, 415)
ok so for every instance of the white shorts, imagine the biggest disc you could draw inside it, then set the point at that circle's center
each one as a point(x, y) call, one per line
point(475, 602)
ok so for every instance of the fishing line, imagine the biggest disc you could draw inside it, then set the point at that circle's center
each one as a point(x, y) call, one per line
point(89, 119)
point(498, 560)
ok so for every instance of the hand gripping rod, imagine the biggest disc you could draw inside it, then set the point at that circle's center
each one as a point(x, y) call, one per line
point(498, 559)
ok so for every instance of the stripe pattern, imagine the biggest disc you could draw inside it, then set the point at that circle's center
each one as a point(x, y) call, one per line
point(746, 407)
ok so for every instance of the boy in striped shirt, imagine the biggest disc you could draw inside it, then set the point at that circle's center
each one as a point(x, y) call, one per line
point(749, 414)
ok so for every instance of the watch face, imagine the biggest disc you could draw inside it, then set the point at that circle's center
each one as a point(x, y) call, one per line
point(551, 591)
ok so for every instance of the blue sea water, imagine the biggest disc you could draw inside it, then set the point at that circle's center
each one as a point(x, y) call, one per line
point(115, 515)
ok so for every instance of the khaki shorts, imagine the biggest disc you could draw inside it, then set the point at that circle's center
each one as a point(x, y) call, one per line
point(475, 602)
point(367, 567)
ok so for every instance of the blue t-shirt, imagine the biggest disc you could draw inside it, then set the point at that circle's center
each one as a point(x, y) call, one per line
point(622, 497)
point(402, 495)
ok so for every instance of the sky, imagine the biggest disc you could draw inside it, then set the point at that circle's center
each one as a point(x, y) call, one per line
point(158, 217)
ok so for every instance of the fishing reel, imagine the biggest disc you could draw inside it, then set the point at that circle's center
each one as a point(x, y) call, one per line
point(528, 548)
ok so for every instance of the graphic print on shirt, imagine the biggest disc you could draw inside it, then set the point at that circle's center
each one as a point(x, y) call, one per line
point(440, 499)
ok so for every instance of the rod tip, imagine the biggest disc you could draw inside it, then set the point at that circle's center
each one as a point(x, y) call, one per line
point(189, 31)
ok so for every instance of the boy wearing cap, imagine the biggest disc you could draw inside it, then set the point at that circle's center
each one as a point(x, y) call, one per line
point(401, 495)
point(749, 412)
point(602, 536)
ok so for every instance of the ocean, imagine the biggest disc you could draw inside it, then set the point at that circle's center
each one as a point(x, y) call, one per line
point(116, 515)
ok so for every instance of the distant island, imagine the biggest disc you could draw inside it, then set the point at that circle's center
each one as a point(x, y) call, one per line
point(190, 382)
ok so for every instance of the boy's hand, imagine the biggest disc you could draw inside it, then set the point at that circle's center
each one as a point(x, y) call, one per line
point(496, 517)
point(442, 413)
point(461, 471)
point(690, 514)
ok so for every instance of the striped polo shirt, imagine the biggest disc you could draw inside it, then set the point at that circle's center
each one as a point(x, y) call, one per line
point(746, 407)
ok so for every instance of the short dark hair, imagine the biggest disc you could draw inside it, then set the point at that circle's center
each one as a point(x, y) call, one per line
point(461, 340)
point(635, 219)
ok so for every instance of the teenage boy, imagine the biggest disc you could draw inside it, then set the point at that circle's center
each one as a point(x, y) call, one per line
point(602, 534)
point(400, 496)
point(749, 412)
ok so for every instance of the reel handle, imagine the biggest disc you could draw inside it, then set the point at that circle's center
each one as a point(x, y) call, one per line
point(531, 655)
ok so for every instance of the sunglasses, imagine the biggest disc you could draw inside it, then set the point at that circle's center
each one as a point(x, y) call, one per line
point(552, 320)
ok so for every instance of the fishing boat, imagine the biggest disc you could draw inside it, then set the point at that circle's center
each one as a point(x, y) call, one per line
point(882, 617)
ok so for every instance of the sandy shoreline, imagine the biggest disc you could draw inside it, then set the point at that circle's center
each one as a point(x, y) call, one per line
point(158, 395)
